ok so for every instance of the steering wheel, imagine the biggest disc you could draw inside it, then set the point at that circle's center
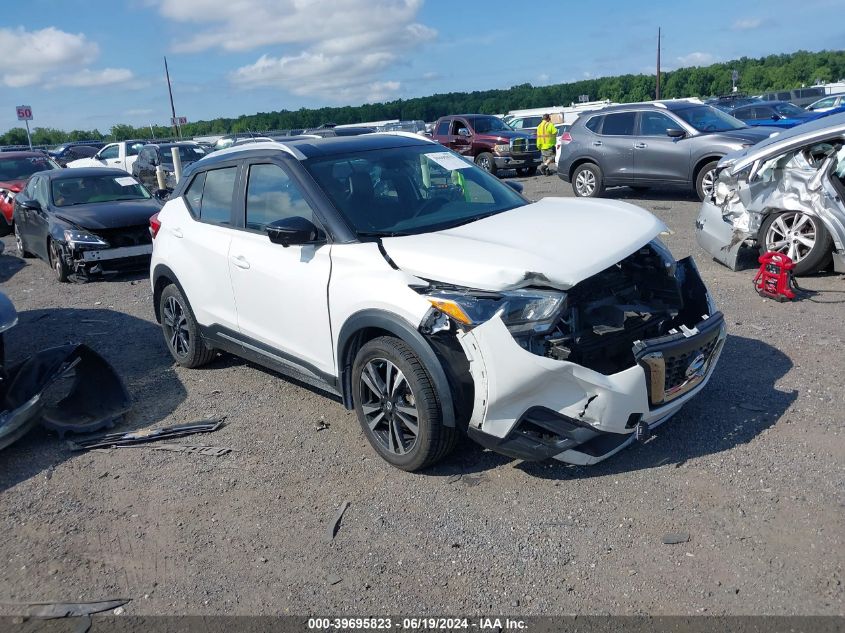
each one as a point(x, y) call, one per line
point(430, 206)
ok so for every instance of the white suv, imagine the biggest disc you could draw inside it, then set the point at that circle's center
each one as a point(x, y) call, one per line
point(433, 298)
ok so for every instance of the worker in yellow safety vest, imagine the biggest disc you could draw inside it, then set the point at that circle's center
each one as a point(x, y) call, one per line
point(546, 138)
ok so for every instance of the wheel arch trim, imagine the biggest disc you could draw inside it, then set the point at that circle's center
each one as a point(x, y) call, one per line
point(402, 329)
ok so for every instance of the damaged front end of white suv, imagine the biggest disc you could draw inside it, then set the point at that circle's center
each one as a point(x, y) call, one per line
point(783, 195)
point(575, 357)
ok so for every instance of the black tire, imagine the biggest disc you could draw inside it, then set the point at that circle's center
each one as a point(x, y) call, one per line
point(588, 181)
point(527, 171)
point(819, 255)
point(701, 179)
point(486, 162)
point(389, 426)
point(20, 245)
point(181, 332)
point(57, 262)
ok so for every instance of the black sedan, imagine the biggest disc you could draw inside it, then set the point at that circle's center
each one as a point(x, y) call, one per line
point(63, 154)
point(85, 221)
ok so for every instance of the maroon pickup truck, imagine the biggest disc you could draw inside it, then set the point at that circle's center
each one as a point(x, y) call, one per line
point(489, 142)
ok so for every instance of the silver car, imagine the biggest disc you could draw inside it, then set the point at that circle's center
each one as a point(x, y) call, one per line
point(642, 145)
point(785, 195)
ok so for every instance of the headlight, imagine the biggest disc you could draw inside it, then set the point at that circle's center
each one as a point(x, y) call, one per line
point(522, 311)
point(502, 149)
point(82, 238)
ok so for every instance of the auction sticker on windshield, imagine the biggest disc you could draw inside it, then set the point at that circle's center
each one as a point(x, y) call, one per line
point(126, 181)
point(448, 160)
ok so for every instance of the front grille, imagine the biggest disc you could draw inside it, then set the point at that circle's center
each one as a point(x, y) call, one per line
point(675, 365)
point(523, 145)
point(125, 236)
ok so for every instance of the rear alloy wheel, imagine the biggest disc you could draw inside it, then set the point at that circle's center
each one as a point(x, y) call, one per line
point(587, 181)
point(181, 332)
point(486, 162)
point(801, 237)
point(19, 245)
point(57, 262)
point(706, 180)
point(397, 405)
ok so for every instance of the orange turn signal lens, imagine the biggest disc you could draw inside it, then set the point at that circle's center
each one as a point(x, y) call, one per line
point(450, 308)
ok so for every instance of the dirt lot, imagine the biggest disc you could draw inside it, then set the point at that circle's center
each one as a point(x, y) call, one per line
point(752, 470)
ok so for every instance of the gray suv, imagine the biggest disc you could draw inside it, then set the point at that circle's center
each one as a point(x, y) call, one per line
point(640, 145)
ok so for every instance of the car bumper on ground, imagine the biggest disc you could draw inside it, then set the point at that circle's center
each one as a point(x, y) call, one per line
point(533, 407)
point(724, 242)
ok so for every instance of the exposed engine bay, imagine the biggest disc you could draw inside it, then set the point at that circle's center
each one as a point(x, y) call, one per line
point(602, 317)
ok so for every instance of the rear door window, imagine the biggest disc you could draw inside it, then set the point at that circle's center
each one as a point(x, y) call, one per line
point(619, 124)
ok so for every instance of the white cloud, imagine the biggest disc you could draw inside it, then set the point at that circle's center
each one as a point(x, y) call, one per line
point(54, 57)
point(333, 49)
point(696, 59)
point(747, 24)
point(104, 77)
point(29, 55)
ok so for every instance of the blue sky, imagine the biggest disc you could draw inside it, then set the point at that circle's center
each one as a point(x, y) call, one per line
point(93, 63)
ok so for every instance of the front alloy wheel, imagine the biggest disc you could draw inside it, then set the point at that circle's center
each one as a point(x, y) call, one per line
point(389, 406)
point(801, 237)
point(398, 406)
point(175, 325)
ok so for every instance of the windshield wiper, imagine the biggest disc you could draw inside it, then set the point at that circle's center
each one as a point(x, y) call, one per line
point(381, 233)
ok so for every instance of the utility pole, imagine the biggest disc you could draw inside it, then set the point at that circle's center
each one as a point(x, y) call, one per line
point(657, 90)
point(172, 108)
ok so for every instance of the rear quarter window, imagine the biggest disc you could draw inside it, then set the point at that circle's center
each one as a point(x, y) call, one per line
point(594, 124)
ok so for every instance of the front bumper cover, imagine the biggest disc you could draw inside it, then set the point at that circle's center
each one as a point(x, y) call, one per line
point(533, 407)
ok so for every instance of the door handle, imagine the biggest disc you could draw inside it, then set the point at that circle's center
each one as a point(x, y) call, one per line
point(640, 146)
point(177, 232)
point(240, 261)
point(597, 143)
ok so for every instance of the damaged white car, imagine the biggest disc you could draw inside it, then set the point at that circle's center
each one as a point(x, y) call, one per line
point(784, 194)
point(432, 298)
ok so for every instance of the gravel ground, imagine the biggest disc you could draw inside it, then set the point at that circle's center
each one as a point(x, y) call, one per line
point(752, 470)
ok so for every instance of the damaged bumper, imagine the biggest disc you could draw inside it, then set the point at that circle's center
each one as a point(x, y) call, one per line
point(535, 407)
point(719, 237)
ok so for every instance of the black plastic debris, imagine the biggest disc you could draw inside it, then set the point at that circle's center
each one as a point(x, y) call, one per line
point(196, 449)
point(52, 610)
point(335, 524)
point(90, 395)
point(147, 435)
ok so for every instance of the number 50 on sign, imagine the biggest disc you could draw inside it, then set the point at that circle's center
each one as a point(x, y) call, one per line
point(24, 113)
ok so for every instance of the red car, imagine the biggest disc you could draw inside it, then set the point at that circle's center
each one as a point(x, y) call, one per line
point(15, 170)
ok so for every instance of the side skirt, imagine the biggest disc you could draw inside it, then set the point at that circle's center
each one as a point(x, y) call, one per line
point(262, 354)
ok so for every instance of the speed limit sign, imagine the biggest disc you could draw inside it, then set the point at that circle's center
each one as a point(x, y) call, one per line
point(24, 113)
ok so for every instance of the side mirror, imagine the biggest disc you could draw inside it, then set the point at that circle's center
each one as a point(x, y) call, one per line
point(674, 132)
point(294, 231)
point(464, 132)
point(31, 205)
point(161, 194)
point(516, 186)
point(775, 117)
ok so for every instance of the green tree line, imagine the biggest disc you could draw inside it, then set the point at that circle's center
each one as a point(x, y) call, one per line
point(773, 72)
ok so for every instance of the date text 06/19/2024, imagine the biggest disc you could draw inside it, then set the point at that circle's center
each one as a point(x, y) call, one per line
point(416, 624)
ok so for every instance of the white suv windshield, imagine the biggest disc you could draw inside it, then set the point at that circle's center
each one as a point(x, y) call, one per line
point(405, 190)
point(705, 118)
